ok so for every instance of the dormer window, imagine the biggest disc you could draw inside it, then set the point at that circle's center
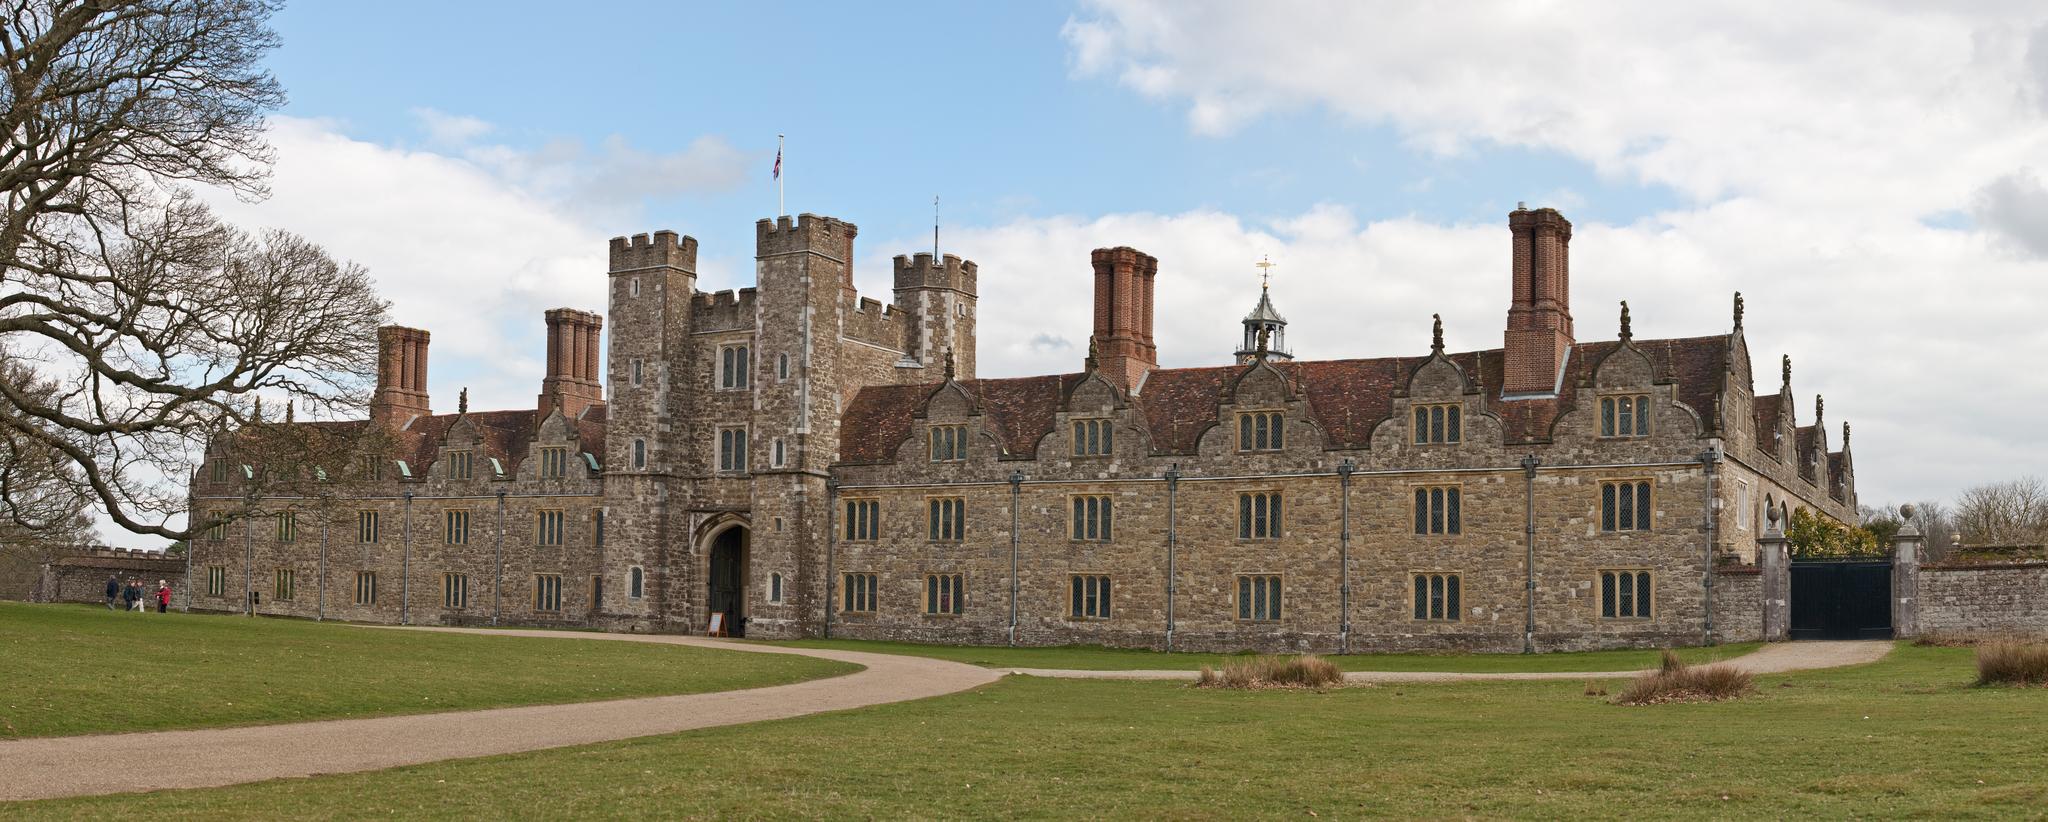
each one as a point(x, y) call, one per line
point(1439, 424)
point(1093, 438)
point(1261, 431)
point(1627, 416)
point(459, 465)
point(949, 443)
point(554, 462)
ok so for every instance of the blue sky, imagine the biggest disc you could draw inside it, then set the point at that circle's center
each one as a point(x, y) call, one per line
point(885, 105)
point(1871, 177)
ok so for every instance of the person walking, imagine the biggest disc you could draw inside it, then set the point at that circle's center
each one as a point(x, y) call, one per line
point(113, 591)
point(133, 595)
point(163, 596)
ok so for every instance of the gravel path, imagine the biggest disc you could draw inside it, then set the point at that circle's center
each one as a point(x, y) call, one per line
point(1771, 659)
point(118, 763)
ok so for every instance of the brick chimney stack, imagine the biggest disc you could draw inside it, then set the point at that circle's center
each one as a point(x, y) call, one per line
point(1539, 333)
point(401, 375)
point(572, 381)
point(1122, 342)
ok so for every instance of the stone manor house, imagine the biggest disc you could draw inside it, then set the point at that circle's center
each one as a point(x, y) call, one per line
point(799, 460)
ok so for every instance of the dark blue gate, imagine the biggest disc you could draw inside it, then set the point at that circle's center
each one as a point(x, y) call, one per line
point(1842, 599)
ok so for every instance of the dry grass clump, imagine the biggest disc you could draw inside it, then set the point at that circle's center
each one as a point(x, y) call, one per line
point(2012, 663)
point(1676, 681)
point(1305, 671)
point(1939, 640)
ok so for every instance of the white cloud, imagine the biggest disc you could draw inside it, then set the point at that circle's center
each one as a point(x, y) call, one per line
point(450, 129)
point(1813, 141)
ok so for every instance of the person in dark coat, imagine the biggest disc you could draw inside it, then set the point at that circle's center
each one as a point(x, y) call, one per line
point(113, 591)
point(133, 595)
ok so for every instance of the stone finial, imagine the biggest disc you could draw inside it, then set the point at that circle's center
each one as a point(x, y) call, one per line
point(1845, 435)
point(288, 406)
point(1436, 333)
point(1907, 527)
point(1906, 512)
point(462, 401)
point(1093, 353)
point(1265, 341)
point(1771, 519)
point(1785, 369)
point(1626, 332)
point(1738, 311)
point(1820, 407)
point(949, 365)
point(256, 411)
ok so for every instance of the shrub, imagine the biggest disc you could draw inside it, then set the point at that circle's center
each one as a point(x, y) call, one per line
point(1306, 671)
point(1675, 681)
point(2012, 663)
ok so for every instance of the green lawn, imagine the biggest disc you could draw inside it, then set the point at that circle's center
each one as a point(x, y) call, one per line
point(1904, 737)
point(68, 669)
point(1096, 658)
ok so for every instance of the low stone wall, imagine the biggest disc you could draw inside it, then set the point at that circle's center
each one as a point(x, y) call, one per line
point(1978, 601)
point(82, 577)
point(1738, 604)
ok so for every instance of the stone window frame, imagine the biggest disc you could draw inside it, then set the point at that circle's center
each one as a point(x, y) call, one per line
point(219, 470)
point(554, 462)
point(735, 365)
point(1639, 420)
point(636, 369)
point(636, 582)
point(454, 591)
point(863, 519)
point(1745, 513)
point(732, 449)
point(1643, 505)
point(633, 287)
point(1090, 596)
point(284, 585)
point(1436, 596)
point(597, 526)
point(1261, 430)
point(639, 454)
point(218, 531)
point(1262, 606)
point(550, 523)
point(1641, 607)
point(1451, 511)
point(945, 594)
point(1091, 517)
point(1436, 423)
point(778, 453)
point(860, 591)
point(216, 580)
point(945, 518)
point(946, 442)
point(366, 588)
point(1261, 515)
point(782, 366)
point(775, 588)
point(454, 526)
point(287, 527)
point(462, 464)
point(547, 593)
point(368, 526)
point(1094, 437)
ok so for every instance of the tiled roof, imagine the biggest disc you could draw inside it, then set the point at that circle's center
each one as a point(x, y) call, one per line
point(1346, 397)
point(502, 434)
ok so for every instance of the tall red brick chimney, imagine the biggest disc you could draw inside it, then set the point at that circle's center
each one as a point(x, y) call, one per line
point(1122, 342)
point(572, 380)
point(401, 375)
point(1539, 333)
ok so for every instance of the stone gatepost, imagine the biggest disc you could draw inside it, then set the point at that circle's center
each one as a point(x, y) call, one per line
point(1774, 561)
point(1906, 576)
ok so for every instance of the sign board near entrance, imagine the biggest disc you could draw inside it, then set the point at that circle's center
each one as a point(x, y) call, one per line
point(717, 626)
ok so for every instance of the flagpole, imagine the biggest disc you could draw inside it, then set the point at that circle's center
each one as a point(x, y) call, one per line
point(780, 210)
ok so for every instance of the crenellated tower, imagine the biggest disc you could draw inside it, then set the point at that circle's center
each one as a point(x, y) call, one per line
point(940, 299)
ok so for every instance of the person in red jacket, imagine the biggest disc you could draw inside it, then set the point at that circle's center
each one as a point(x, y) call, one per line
point(163, 596)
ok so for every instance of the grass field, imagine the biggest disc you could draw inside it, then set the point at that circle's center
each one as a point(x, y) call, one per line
point(68, 669)
point(1904, 737)
point(1095, 658)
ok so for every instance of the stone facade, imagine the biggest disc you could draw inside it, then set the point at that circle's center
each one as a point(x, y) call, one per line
point(1983, 601)
point(760, 453)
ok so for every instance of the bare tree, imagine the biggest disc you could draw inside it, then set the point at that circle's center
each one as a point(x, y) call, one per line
point(157, 325)
point(2014, 512)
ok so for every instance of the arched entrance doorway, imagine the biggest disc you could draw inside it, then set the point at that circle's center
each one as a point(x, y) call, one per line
point(728, 580)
